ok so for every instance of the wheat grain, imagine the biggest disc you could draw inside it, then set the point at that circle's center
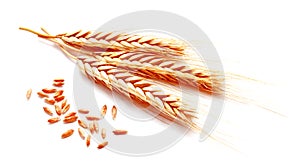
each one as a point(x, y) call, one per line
point(82, 124)
point(103, 133)
point(66, 108)
point(49, 90)
point(88, 140)
point(96, 126)
point(81, 133)
point(58, 84)
point(53, 120)
point(47, 111)
point(67, 134)
point(49, 101)
point(58, 93)
point(70, 119)
point(42, 95)
point(83, 111)
point(120, 132)
point(28, 94)
point(92, 118)
point(59, 98)
point(91, 128)
point(114, 112)
point(103, 110)
point(59, 80)
point(102, 145)
point(63, 103)
point(71, 114)
point(57, 110)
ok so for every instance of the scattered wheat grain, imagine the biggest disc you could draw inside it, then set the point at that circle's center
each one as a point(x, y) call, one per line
point(102, 145)
point(47, 111)
point(96, 126)
point(114, 112)
point(120, 132)
point(57, 110)
point(49, 90)
point(82, 124)
point(91, 128)
point(58, 84)
point(83, 111)
point(49, 101)
point(68, 133)
point(63, 103)
point(71, 114)
point(92, 118)
point(66, 109)
point(81, 134)
point(70, 119)
point(28, 93)
point(59, 98)
point(103, 133)
point(104, 110)
point(58, 93)
point(58, 80)
point(53, 120)
point(88, 140)
point(42, 95)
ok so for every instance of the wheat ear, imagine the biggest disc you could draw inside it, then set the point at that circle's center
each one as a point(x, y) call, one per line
point(166, 69)
point(90, 42)
point(139, 89)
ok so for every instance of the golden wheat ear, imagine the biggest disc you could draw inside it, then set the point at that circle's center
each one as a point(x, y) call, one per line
point(172, 71)
point(140, 90)
point(95, 42)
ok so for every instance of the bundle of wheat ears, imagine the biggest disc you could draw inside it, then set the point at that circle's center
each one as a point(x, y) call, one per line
point(140, 67)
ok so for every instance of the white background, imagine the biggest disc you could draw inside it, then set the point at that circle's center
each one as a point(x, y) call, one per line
point(257, 38)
